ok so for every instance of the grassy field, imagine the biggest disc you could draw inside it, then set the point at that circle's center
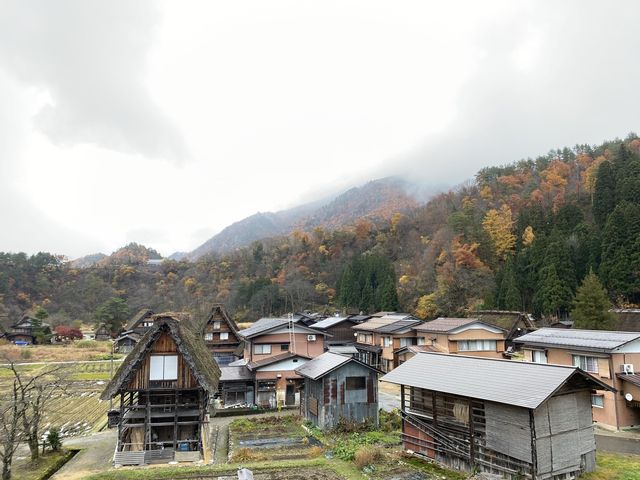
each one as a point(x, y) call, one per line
point(48, 463)
point(613, 466)
point(80, 350)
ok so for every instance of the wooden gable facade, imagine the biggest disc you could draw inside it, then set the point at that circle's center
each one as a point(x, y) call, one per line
point(220, 334)
point(164, 386)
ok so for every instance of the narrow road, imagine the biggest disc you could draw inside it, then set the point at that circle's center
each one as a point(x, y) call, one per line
point(96, 456)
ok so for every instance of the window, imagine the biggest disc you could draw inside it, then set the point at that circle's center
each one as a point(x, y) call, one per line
point(262, 349)
point(224, 335)
point(597, 401)
point(539, 356)
point(208, 336)
point(588, 364)
point(476, 345)
point(216, 325)
point(366, 338)
point(356, 383)
point(284, 347)
point(148, 323)
point(386, 341)
point(421, 341)
point(405, 342)
point(163, 367)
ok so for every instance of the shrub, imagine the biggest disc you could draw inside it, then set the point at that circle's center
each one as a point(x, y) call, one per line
point(242, 424)
point(368, 455)
point(390, 421)
point(26, 353)
point(53, 439)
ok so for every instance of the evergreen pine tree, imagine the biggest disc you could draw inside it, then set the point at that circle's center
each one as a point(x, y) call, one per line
point(389, 296)
point(604, 199)
point(367, 300)
point(591, 306)
point(620, 261)
point(509, 293)
point(554, 296)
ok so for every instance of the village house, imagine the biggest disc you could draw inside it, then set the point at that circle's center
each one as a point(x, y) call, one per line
point(102, 333)
point(515, 323)
point(164, 387)
point(339, 388)
point(221, 336)
point(516, 419)
point(23, 331)
point(609, 356)
point(273, 349)
point(627, 319)
point(140, 322)
point(466, 336)
point(340, 329)
point(237, 386)
point(125, 342)
point(378, 337)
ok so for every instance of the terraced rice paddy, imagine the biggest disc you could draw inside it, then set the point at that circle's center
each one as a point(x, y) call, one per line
point(78, 410)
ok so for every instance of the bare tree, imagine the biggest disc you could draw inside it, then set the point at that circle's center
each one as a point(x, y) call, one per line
point(11, 434)
point(35, 394)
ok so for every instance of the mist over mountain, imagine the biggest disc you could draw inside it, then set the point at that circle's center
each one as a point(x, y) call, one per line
point(375, 200)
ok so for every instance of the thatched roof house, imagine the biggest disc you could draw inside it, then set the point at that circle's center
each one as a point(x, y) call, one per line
point(164, 386)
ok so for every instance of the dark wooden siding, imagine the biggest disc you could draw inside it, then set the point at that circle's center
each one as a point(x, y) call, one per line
point(164, 345)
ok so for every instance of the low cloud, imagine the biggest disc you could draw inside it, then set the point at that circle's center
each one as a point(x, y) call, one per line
point(89, 59)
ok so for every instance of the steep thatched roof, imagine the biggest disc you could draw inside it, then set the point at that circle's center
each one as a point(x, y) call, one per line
point(218, 312)
point(627, 319)
point(142, 314)
point(190, 345)
point(516, 323)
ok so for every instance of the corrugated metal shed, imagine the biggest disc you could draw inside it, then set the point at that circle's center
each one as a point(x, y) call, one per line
point(597, 340)
point(444, 324)
point(503, 381)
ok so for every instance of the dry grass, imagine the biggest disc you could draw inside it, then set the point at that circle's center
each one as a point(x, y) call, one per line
point(54, 353)
point(368, 455)
point(247, 455)
point(315, 452)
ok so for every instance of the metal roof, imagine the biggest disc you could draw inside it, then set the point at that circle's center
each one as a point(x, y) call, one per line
point(265, 324)
point(230, 374)
point(444, 324)
point(596, 340)
point(631, 378)
point(374, 324)
point(522, 384)
point(329, 322)
point(324, 364)
point(398, 325)
point(343, 349)
point(276, 358)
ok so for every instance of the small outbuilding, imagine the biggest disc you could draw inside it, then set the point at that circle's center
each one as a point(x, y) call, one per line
point(102, 333)
point(516, 419)
point(338, 387)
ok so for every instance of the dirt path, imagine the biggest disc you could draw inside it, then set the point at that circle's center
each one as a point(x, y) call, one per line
point(95, 456)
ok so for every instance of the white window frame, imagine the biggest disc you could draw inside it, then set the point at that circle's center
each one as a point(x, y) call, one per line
point(538, 356)
point(422, 341)
point(386, 341)
point(262, 349)
point(597, 403)
point(487, 345)
point(584, 362)
point(163, 367)
point(208, 336)
point(216, 325)
point(224, 335)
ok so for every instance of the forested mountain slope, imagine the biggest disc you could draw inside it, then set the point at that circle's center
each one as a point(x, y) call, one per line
point(520, 236)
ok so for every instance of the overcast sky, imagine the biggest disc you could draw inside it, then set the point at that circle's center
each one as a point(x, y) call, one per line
point(161, 123)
